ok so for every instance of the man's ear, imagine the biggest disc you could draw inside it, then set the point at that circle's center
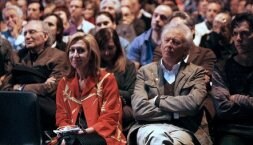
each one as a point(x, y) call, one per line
point(46, 36)
point(114, 26)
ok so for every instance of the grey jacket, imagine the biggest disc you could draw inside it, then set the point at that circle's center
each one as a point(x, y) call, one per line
point(189, 90)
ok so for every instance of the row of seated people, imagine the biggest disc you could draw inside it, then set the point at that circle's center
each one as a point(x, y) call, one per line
point(90, 95)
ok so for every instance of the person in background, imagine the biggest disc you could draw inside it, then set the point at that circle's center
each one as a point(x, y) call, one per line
point(8, 58)
point(142, 16)
point(219, 40)
point(200, 15)
point(146, 47)
point(90, 10)
point(76, 12)
point(34, 10)
point(232, 88)
point(112, 7)
point(106, 20)
point(168, 93)
point(113, 60)
point(64, 14)
point(12, 16)
point(205, 27)
point(129, 27)
point(88, 96)
point(55, 24)
point(23, 5)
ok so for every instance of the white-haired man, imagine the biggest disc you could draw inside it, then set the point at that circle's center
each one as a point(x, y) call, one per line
point(168, 93)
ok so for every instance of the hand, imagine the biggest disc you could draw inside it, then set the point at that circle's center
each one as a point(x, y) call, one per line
point(14, 28)
point(50, 80)
point(17, 87)
point(2, 80)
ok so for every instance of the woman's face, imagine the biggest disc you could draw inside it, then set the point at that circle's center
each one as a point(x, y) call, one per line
point(79, 55)
point(62, 15)
point(88, 11)
point(107, 53)
point(51, 21)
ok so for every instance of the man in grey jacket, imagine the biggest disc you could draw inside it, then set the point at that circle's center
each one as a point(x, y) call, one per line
point(168, 93)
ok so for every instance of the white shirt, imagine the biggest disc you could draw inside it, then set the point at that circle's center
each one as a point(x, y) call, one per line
point(170, 75)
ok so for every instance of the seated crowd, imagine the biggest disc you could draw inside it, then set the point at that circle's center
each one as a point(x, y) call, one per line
point(133, 72)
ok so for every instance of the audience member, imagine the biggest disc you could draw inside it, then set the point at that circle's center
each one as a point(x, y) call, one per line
point(64, 14)
point(249, 6)
point(106, 20)
point(113, 59)
point(202, 57)
point(55, 24)
point(40, 70)
point(129, 27)
point(168, 93)
point(7, 60)
point(23, 5)
point(145, 48)
point(232, 88)
point(88, 96)
point(200, 15)
point(142, 16)
point(112, 7)
point(205, 27)
point(219, 40)
point(76, 12)
point(12, 16)
point(35, 10)
point(90, 10)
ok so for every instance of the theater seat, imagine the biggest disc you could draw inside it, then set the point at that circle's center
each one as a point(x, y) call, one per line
point(19, 119)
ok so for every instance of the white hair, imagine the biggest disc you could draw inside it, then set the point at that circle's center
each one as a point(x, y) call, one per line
point(184, 29)
point(17, 9)
point(115, 2)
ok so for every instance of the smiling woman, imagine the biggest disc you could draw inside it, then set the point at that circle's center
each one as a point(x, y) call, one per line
point(88, 97)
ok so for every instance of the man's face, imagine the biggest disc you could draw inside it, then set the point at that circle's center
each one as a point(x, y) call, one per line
point(212, 10)
point(173, 46)
point(34, 36)
point(33, 12)
point(76, 8)
point(109, 7)
point(103, 21)
point(127, 15)
point(243, 38)
point(12, 19)
point(160, 17)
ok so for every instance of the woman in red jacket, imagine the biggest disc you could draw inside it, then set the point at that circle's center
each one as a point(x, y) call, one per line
point(88, 97)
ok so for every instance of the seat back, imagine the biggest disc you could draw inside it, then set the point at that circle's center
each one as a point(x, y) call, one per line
point(19, 118)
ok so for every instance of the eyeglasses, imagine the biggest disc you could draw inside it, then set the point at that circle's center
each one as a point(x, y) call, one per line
point(31, 32)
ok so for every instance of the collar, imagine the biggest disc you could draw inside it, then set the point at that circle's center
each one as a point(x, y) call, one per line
point(54, 45)
point(175, 68)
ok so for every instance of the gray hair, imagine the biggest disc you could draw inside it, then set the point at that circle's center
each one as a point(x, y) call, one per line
point(182, 28)
point(17, 9)
point(45, 29)
point(116, 4)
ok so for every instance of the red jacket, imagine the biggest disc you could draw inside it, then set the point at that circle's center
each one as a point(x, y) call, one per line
point(100, 102)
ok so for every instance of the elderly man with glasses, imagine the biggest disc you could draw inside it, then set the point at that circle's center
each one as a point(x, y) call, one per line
point(39, 70)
